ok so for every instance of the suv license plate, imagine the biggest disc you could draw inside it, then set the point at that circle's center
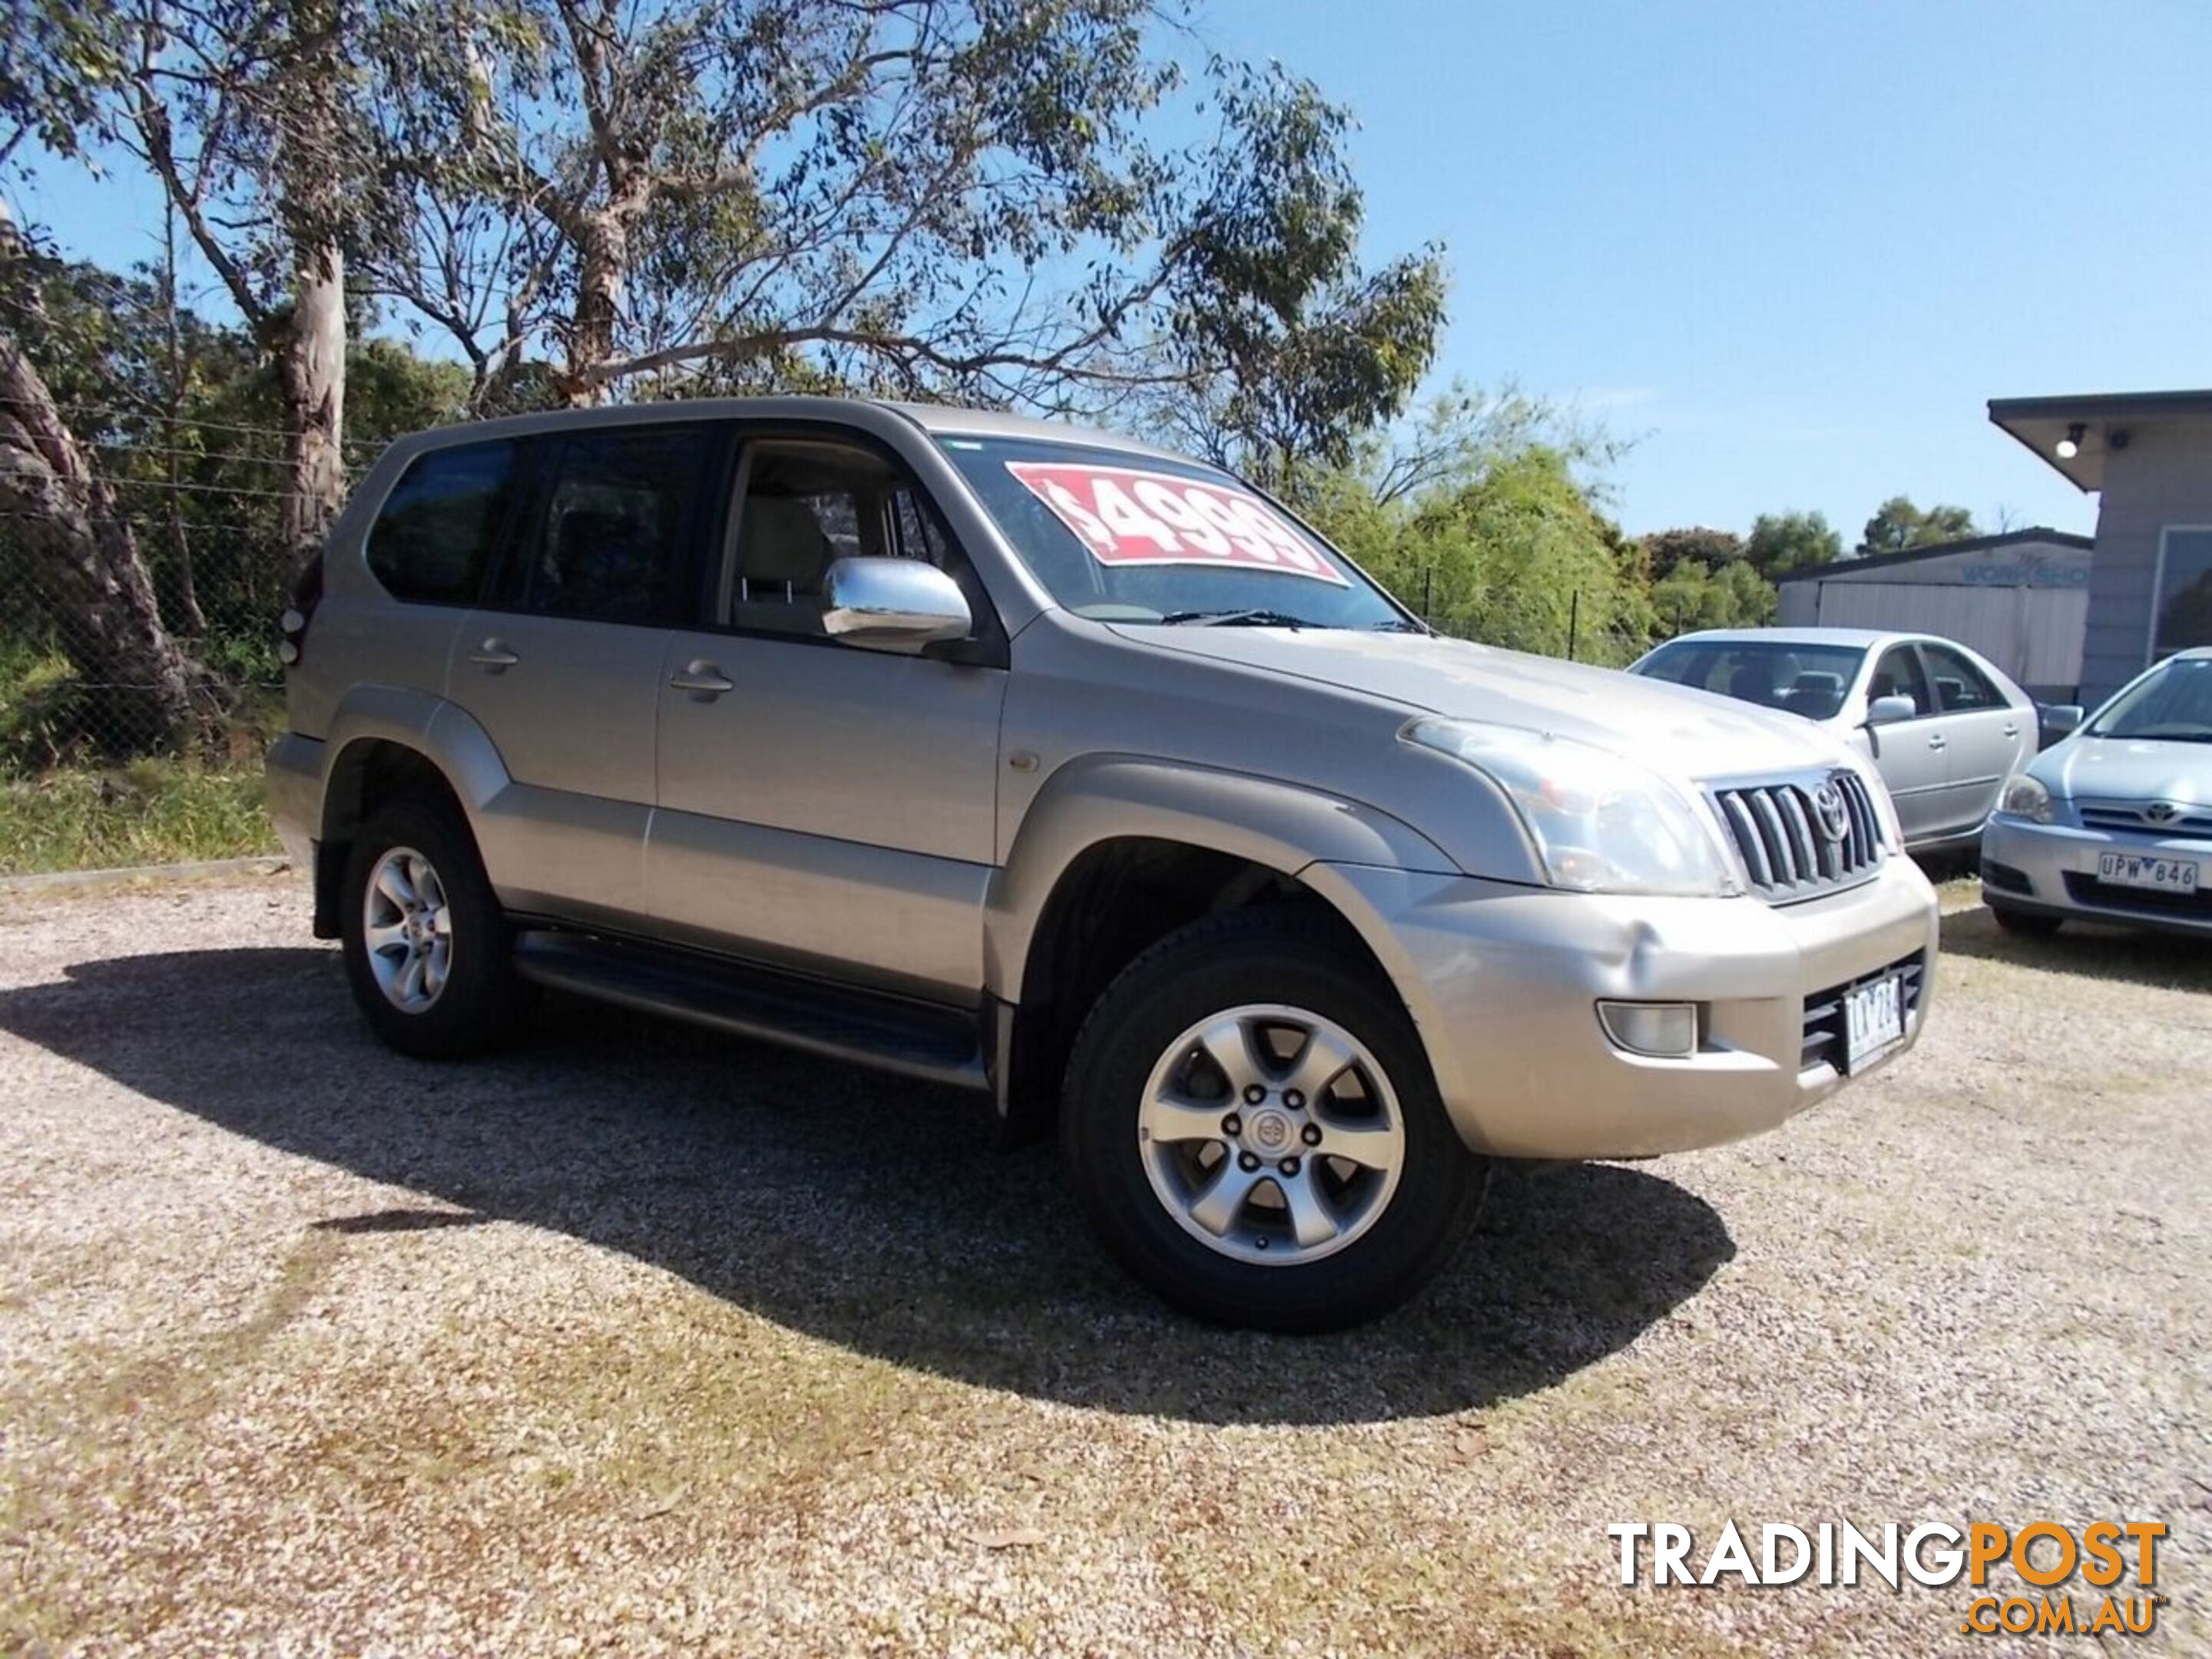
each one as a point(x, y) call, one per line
point(2141, 870)
point(1873, 1019)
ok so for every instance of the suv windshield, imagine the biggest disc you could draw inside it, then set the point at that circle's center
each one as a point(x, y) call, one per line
point(1136, 537)
point(2173, 705)
point(1804, 679)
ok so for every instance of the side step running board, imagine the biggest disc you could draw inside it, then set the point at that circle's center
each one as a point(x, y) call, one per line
point(938, 1044)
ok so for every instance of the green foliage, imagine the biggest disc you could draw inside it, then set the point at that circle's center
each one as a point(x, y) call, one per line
point(60, 811)
point(1480, 519)
point(1792, 541)
point(152, 811)
point(1285, 351)
point(1666, 551)
point(55, 57)
point(1692, 596)
point(1898, 525)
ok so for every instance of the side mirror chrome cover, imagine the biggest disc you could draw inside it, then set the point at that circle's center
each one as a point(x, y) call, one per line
point(1889, 711)
point(892, 602)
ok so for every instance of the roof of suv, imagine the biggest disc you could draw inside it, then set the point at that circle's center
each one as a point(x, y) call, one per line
point(936, 419)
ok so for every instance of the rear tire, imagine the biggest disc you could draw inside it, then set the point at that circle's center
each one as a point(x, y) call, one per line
point(2025, 924)
point(1222, 1184)
point(427, 950)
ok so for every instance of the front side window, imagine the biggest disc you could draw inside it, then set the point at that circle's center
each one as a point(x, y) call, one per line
point(1898, 674)
point(1961, 687)
point(2183, 615)
point(804, 504)
point(2171, 704)
point(1801, 679)
point(434, 537)
point(617, 519)
point(1126, 537)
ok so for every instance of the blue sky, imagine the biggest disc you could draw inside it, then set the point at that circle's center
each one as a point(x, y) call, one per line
point(1796, 247)
point(1790, 248)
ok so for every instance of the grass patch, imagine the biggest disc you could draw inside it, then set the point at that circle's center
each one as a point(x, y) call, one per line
point(149, 811)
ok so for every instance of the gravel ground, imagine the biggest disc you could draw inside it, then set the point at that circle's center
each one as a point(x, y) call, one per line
point(638, 1340)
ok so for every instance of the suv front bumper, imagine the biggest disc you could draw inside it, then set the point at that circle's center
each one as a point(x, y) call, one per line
point(1503, 984)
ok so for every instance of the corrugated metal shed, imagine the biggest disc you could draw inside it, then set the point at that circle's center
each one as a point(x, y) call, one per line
point(2020, 599)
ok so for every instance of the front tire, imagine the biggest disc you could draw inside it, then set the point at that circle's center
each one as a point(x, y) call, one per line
point(1250, 1124)
point(427, 950)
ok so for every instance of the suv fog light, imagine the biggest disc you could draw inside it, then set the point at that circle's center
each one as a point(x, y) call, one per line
point(1664, 1030)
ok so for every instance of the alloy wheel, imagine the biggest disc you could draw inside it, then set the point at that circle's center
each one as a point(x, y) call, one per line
point(1271, 1134)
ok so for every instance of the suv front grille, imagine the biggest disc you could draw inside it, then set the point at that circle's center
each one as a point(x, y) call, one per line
point(1800, 837)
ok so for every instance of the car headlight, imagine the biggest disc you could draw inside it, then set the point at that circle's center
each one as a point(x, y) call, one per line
point(2025, 798)
point(1601, 823)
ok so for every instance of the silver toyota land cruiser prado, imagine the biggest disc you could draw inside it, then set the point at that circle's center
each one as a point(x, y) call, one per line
point(1036, 762)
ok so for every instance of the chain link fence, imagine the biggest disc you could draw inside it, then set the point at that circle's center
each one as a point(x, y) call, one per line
point(169, 601)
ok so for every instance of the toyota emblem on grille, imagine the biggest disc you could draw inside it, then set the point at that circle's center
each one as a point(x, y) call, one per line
point(1828, 806)
point(2159, 811)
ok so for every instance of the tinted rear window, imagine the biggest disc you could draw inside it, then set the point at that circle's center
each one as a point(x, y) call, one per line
point(612, 544)
point(436, 536)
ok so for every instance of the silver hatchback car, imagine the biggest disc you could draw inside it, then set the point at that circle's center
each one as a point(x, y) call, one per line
point(2115, 824)
point(1944, 726)
point(1035, 762)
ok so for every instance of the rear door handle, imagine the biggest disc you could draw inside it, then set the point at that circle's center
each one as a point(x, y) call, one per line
point(494, 655)
point(2012, 731)
point(702, 680)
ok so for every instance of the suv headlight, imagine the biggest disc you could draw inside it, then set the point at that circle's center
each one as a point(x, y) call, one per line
point(1600, 822)
point(2025, 798)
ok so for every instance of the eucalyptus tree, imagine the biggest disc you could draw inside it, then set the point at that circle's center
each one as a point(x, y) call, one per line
point(1010, 201)
point(246, 112)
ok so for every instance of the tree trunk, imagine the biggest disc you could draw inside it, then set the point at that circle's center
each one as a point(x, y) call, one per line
point(311, 343)
point(86, 575)
point(603, 261)
point(311, 368)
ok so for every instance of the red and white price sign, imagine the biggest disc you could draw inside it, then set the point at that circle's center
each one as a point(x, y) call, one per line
point(1125, 516)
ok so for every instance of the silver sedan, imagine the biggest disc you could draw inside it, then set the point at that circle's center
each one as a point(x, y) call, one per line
point(1946, 729)
point(2115, 824)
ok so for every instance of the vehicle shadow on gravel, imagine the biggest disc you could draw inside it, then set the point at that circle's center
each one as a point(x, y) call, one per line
point(867, 1210)
point(2091, 949)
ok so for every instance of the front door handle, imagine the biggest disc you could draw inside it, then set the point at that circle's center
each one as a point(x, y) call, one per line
point(494, 655)
point(1937, 742)
point(702, 680)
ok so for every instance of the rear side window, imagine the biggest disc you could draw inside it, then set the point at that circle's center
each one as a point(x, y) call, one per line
point(436, 536)
point(618, 511)
point(1959, 686)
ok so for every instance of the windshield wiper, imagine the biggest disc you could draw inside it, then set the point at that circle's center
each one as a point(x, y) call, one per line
point(1399, 625)
point(1237, 619)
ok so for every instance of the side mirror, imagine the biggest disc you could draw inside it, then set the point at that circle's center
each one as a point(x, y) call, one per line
point(1887, 711)
point(892, 604)
point(2058, 718)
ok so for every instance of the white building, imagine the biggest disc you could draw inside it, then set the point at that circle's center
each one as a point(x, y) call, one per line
point(2020, 599)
